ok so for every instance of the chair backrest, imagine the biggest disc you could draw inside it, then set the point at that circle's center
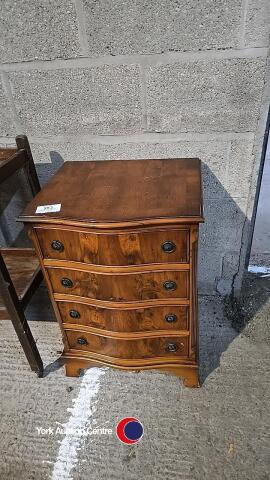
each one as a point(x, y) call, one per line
point(12, 159)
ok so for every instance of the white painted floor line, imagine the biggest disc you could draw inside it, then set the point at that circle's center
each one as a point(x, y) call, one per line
point(80, 418)
point(259, 269)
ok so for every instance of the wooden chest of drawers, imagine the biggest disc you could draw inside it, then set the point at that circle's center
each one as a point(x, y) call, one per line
point(117, 242)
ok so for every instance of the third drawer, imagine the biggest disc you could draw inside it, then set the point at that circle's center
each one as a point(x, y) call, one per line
point(173, 317)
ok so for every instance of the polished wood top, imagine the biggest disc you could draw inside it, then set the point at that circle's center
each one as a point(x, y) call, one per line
point(122, 192)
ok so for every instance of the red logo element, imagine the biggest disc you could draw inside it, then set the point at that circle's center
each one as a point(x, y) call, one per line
point(129, 430)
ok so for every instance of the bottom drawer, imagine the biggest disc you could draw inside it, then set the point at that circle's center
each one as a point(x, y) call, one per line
point(174, 346)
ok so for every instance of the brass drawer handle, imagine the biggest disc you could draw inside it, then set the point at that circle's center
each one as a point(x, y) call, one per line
point(74, 314)
point(170, 285)
point(66, 282)
point(57, 245)
point(82, 341)
point(168, 247)
point(173, 347)
point(171, 318)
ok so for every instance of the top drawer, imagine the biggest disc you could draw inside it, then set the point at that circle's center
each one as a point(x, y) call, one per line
point(129, 248)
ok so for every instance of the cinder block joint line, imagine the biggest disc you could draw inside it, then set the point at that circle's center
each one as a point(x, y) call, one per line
point(81, 27)
point(139, 138)
point(228, 162)
point(7, 90)
point(242, 28)
point(140, 59)
point(143, 88)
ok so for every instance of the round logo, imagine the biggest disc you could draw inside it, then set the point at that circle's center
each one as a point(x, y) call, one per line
point(129, 430)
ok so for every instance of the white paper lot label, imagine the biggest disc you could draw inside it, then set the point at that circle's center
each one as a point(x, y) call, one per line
point(56, 207)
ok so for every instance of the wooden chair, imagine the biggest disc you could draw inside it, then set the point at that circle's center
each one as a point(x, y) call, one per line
point(20, 273)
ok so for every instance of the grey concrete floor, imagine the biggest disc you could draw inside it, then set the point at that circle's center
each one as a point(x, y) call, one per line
point(260, 251)
point(220, 431)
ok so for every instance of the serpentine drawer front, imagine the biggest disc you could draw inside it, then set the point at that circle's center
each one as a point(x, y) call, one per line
point(128, 349)
point(124, 287)
point(117, 242)
point(134, 248)
point(136, 319)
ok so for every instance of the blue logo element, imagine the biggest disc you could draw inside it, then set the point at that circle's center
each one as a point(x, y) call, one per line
point(129, 430)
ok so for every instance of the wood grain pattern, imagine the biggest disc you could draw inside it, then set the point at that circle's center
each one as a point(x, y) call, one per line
point(120, 287)
point(194, 321)
point(128, 320)
point(132, 349)
point(113, 269)
point(123, 305)
point(6, 153)
point(22, 264)
point(119, 191)
point(139, 363)
point(75, 364)
point(129, 248)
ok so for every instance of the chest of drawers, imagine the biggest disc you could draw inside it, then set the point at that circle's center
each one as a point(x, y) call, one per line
point(119, 255)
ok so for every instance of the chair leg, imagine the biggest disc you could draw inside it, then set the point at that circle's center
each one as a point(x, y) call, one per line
point(20, 324)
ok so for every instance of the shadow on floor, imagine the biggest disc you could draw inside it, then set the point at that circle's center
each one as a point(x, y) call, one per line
point(250, 313)
point(52, 367)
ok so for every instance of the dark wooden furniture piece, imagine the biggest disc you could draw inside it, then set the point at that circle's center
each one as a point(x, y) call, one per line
point(120, 260)
point(20, 272)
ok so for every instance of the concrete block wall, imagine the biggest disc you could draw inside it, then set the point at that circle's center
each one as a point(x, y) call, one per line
point(117, 79)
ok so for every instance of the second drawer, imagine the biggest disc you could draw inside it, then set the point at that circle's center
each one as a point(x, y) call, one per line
point(173, 317)
point(121, 287)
